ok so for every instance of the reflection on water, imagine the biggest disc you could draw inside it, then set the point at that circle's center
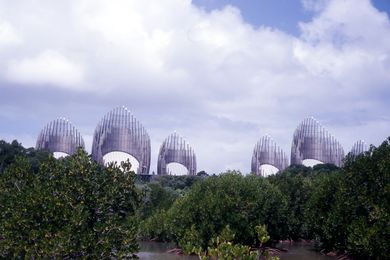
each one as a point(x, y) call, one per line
point(296, 251)
point(157, 250)
point(299, 251)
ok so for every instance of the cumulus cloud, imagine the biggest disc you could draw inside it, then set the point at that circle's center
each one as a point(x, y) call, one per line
point(339, 42)
point(220, 82)
point(8, 35)
point(48, 68)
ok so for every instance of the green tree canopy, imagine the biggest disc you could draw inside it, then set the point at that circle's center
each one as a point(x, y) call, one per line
point(229, 199)
point(9, 152)
point(71, 207)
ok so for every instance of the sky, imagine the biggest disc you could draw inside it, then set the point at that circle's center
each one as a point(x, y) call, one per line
point(220, 73)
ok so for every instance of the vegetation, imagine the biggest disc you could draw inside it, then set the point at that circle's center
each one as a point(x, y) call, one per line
point(223, 248)
point(73, 207)
point(9, 152)
point(218, 201)
point(69, 208)
point(350, 210)
point(342, 209)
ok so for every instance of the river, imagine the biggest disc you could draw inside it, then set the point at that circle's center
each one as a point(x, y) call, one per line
point(297, 251)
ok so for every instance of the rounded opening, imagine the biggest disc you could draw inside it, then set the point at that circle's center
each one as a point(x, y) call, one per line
point(176, 169)
point(59, 155)
point(267, 170)
point(311, 162)
point(119, 157)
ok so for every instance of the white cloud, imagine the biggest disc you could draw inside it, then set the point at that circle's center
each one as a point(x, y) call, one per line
point(8, 35)
point(48, 68)
point(218, 80)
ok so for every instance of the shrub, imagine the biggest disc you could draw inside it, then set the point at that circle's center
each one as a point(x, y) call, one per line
point(71, 207)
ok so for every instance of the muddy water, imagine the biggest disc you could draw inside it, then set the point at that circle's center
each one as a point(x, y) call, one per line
point(297, 251)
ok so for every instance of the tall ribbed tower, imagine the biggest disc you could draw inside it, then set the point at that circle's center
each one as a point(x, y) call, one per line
point(120, 131)
point(313, 141)
point(60, 136)
point(175, 149)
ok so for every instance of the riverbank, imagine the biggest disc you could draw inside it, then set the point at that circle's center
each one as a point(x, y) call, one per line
point(296, 251)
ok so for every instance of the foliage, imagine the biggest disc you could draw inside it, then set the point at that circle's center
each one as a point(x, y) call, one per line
point(223, 248)
point(350, 209)
point(159, 196)
point(69, 208)
point(153, 212)
point(323, 221)
point(202, 173)
point(10, 151)
point(296, 184)
point(156, 198)
point(75, 208)
point(367, 194)
point(176, 182)
point(262, 234)
point(228, 199)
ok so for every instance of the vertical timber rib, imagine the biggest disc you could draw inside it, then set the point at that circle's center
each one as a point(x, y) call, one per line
point(120, 131)
point(60, 136)
point(267, 152)
point(175, 149)
point(312, 141)
point(359, 147)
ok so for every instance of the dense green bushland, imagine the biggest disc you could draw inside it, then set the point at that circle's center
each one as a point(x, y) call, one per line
point(9, 152)
point(297, 183)
point(349, 210)
point(69, 208)
point(162, 191)
point(342, 209)
point(242, 202)
point(73, 207)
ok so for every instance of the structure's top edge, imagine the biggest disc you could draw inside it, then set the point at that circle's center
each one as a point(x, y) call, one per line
point(359, 147)
point(62, 128)
point(121, 116)
point(177, 142)
point(267, 142)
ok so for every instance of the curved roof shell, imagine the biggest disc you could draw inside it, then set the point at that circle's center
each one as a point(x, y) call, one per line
point(175, 149)
point(313, 141)
point(120, 131)
point(60, 136)
point(266, 151)
point(359, 147)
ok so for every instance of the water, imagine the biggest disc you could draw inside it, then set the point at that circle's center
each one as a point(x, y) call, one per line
point(296, 251)
point(300, 251)
point(157, 250)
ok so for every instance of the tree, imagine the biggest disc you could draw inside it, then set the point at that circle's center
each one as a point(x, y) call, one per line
point(229, 199)
point(69, 208)
point(367, 192)
point(10, 151)
point(296, 184)
point(202, 174)
point(349, 209)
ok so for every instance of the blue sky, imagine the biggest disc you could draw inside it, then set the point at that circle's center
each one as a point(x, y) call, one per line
point(281, 14)
point(220, 73)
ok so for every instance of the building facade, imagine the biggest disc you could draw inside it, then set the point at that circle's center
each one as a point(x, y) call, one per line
point(60, 136)
point(313, 141)
point(359, 147)
point(120, 131)
point(266, 151)
point(175, 149)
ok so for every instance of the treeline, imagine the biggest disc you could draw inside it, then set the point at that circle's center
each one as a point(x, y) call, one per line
point(73, 207)
point(346, 210)
point(67, 208)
